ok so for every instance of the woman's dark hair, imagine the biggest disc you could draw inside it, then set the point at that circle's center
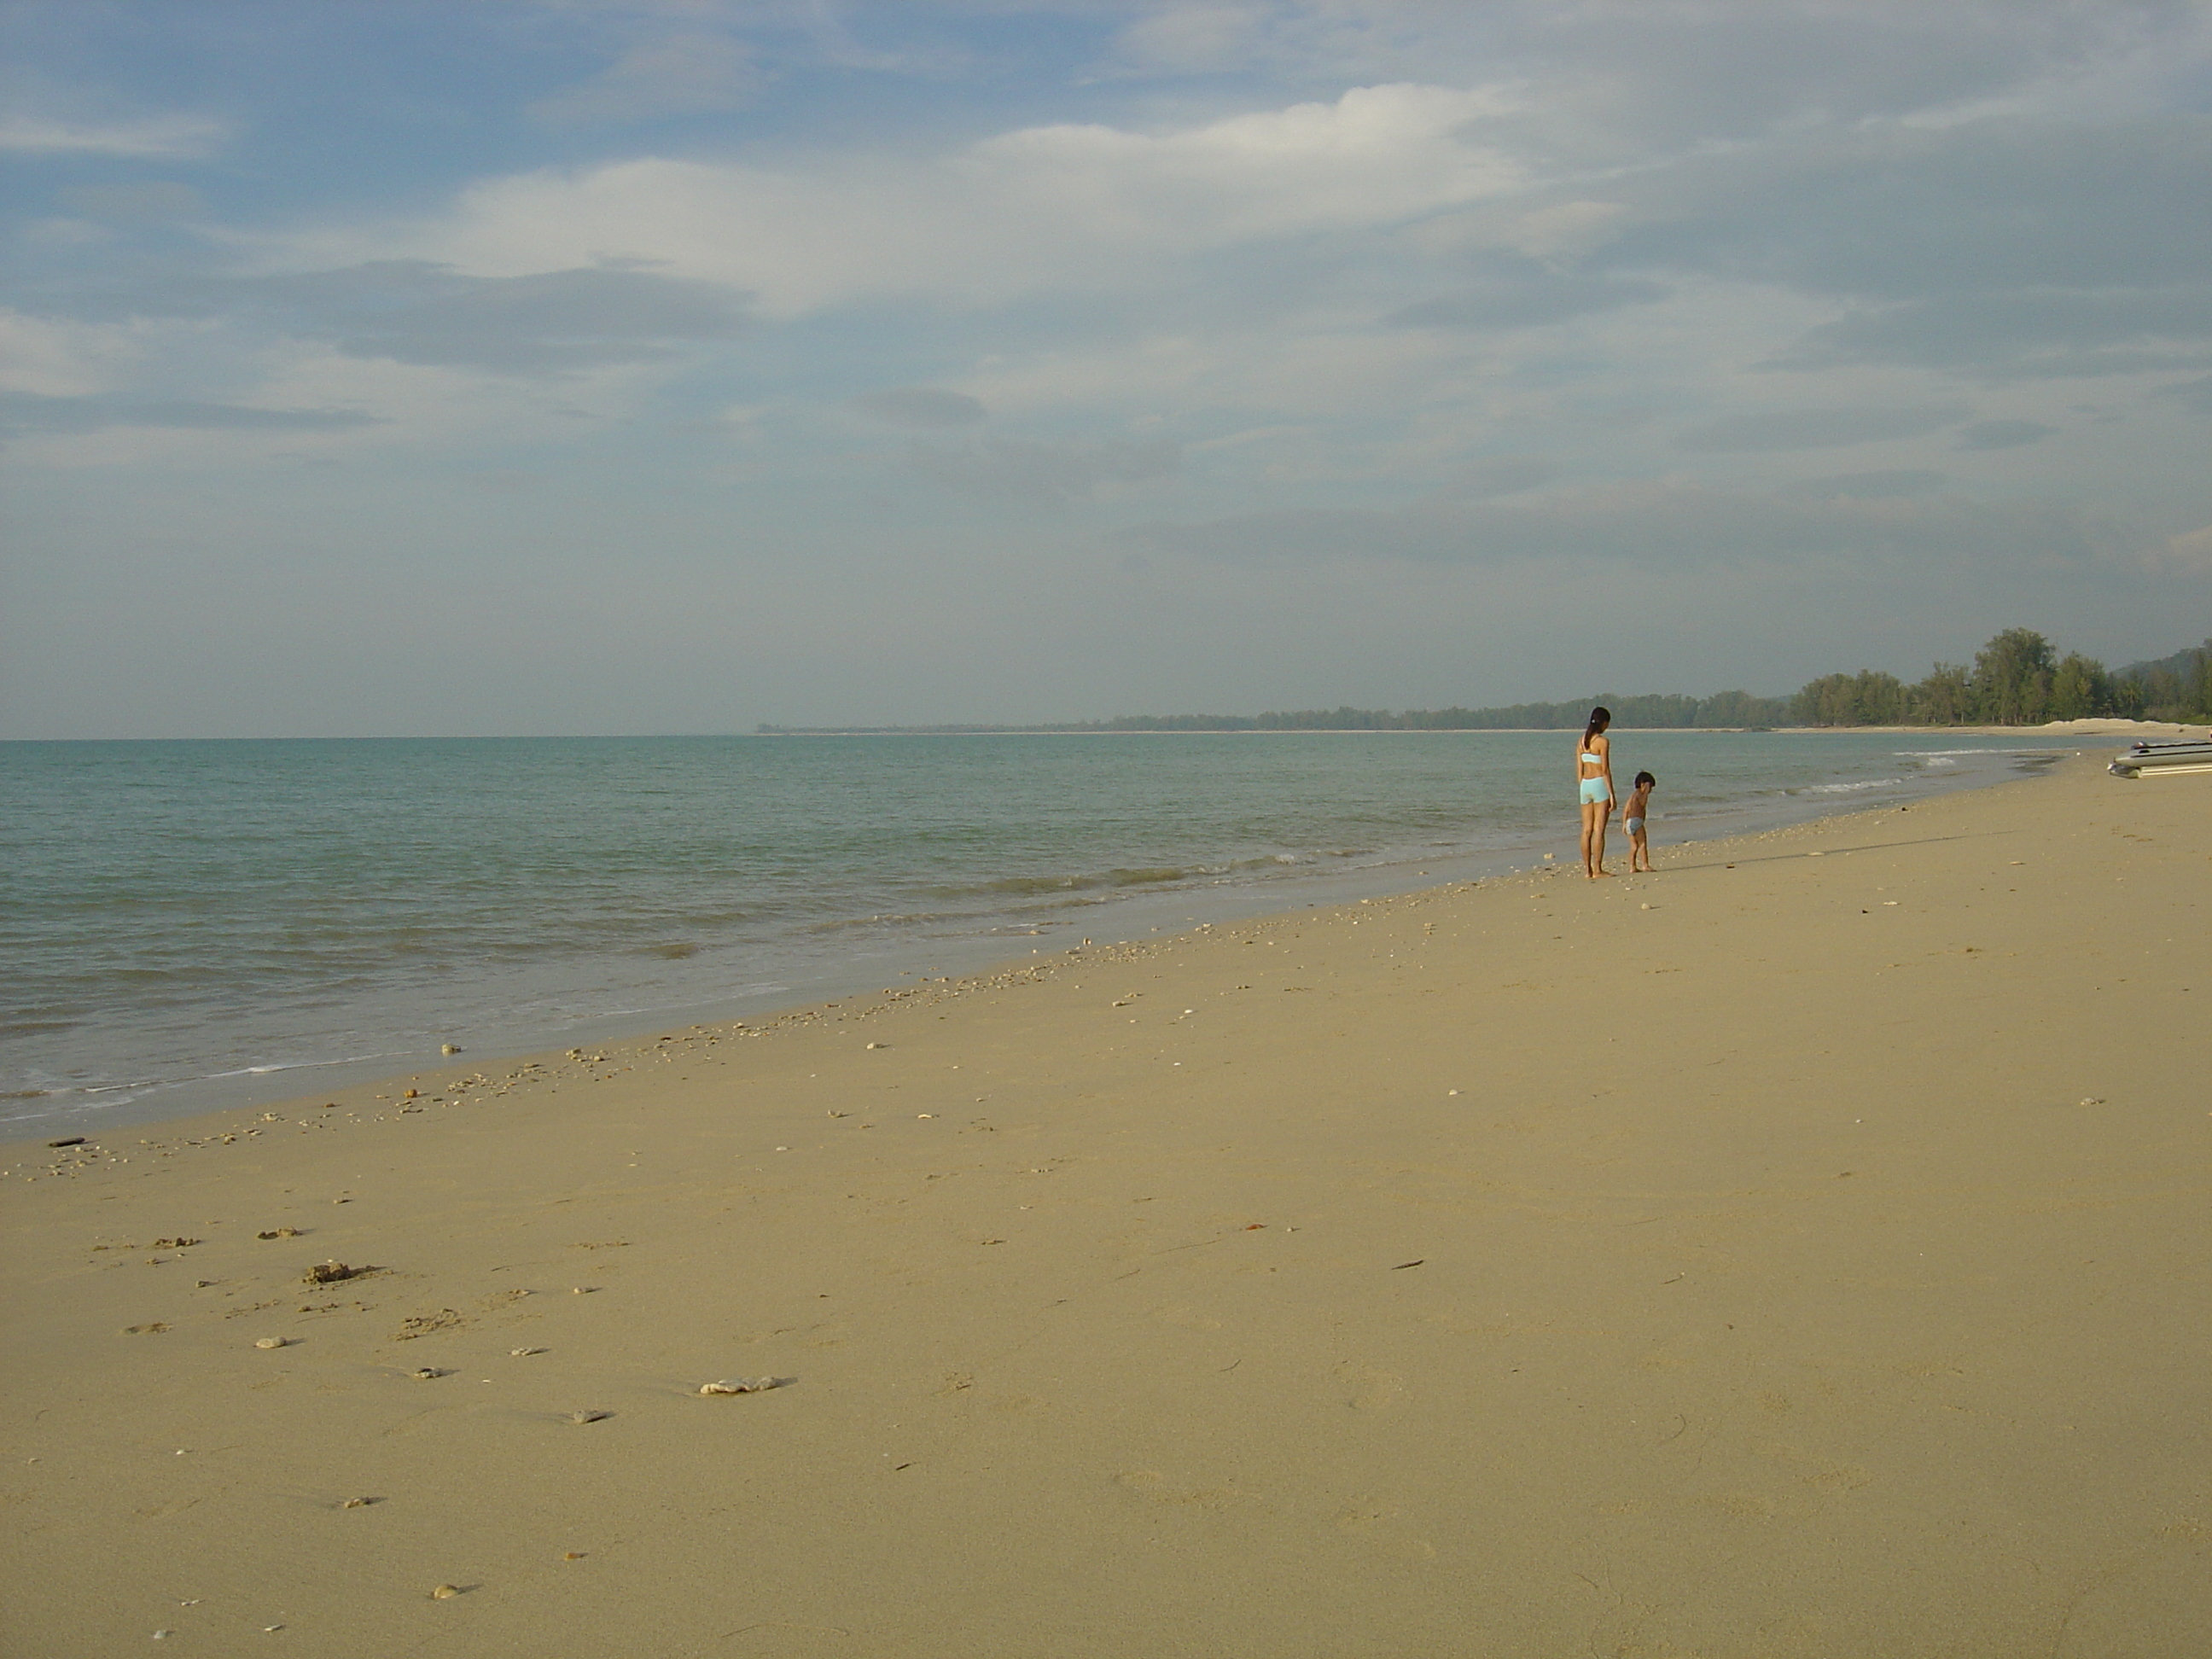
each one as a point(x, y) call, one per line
point(1643, 778)
point(1600, 717)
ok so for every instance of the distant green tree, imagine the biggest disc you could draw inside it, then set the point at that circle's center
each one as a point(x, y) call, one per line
point(2011, 679)
point(1741, 708)
point(2180, 688)
point(2161, 694)
point(1869, 697)
point(2080, 689)
point(1946, 697)
point(1821, 702)
point(1880, 698)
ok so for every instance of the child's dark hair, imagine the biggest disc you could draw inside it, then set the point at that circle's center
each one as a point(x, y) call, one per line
point(1643, 778)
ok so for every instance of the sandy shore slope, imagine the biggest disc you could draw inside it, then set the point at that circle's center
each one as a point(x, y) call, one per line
point(1803, 1251)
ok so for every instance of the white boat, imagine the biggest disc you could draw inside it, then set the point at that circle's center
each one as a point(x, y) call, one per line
point(2160, 759)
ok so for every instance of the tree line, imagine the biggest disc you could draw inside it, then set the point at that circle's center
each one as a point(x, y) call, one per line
point(2017, 679)
point(1736, 708)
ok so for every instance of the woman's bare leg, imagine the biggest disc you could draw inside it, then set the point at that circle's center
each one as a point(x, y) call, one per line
point(1594, 816)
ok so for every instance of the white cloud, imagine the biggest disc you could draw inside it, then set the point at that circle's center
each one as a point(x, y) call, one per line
point(1194, 37)
point(145, 200)
point(1661, 523)
point(1566, 230)
point(57, 359)
point(685, 73)
point(1077, 208)
point(923, 406)
point(1015, 469)
point(178, 138)
point(2187, 555)
point(1770, 431)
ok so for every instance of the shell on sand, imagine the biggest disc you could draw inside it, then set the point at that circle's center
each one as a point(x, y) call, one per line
point(588, 1417)
point(739, 1385)
point(271, 1342)
point(427, 1374)
point(445, 1592)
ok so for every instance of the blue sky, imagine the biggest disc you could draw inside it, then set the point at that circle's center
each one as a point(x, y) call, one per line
point(675, 364)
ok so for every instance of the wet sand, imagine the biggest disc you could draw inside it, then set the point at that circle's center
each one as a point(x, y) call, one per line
point(1799, 1251)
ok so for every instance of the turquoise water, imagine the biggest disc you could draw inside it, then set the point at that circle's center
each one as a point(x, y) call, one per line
point(189, 925)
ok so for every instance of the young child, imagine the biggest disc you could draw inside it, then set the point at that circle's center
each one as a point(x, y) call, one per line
point(1639, 850)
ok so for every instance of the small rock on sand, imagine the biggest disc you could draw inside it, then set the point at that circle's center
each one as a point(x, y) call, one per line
point(272, 1342)
point(445, 1592)
point(739, 1385)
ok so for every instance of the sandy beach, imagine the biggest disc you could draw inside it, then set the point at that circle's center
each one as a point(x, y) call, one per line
point(1800, 1251)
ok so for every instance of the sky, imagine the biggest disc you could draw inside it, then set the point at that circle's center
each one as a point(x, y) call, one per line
point(513, 367)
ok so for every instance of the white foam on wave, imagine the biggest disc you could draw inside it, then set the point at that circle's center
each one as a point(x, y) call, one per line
point(1845, 788)
point(1934, 754)
point(312, 1065)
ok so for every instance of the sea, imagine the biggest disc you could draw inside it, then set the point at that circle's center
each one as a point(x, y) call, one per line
point(185, 926)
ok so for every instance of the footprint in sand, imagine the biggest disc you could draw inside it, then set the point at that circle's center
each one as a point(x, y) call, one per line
point(1150, 1483)
point(1744, 1505)
point(1187, 1318)
point(1367, 1520)
point(1362, 1514)
point(1370, 1390)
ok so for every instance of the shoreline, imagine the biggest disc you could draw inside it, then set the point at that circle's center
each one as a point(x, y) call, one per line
point(1770, 1239)
point(2102, 725)
point(802, 969)
point(624, 1033)
point(2097, 726)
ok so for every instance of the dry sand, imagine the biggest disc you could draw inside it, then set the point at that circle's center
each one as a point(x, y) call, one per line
point(1802, 1251)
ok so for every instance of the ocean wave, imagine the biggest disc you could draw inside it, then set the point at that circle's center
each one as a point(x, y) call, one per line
point(1845, 789)
point(1141, 876)
point(2039, 749)
point(889, 919)
point(35, 1027)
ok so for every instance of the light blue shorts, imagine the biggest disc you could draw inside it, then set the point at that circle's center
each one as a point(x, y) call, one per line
point(1594, 791)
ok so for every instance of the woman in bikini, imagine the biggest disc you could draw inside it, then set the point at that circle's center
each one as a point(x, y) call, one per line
point(1593, 784)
